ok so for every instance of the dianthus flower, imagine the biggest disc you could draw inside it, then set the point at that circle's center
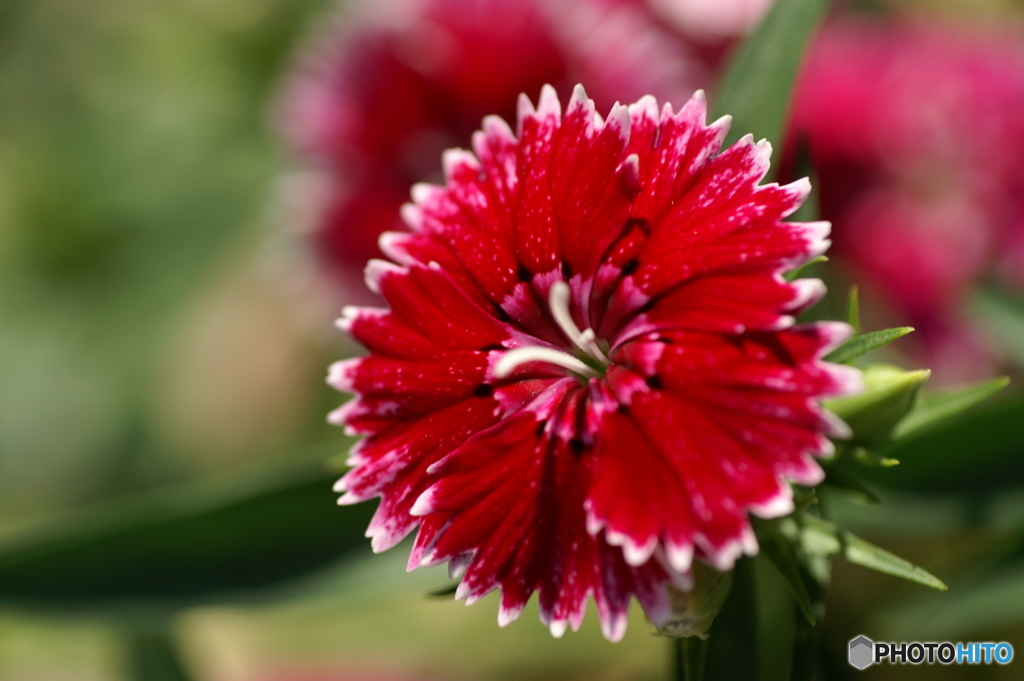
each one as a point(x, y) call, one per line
point(589, 373)
point(381, 93)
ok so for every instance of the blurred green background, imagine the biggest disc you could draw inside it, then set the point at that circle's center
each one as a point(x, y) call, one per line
point(156, 330)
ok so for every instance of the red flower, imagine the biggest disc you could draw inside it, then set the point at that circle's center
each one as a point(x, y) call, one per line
point(381, 95)
point(589, 372)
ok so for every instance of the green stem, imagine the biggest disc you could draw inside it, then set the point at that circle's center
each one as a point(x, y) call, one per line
point(153, 656)
point(688, 658)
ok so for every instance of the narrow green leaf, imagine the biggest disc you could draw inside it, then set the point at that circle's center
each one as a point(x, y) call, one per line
point(863, 343)
point(863, 553)
point(212, 541)
point(844, 480)
point(800, 271)
point(444, 592)
point(758, 82)
point(818, 536)
point(779, 552)
point(937, 407)
point(978, 452)
point(853, 309)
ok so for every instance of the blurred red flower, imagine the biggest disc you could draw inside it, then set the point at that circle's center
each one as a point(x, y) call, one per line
point(392, 83)
point(915, 132)
point(589, 372)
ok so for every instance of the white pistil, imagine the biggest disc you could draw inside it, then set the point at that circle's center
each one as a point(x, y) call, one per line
point(586, 341)
point(516, 356)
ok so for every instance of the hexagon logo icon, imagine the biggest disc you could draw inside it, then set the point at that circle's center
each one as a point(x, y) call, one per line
point(862, 652)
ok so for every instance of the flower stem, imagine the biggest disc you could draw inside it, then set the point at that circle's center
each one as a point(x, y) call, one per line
point(688, 658)
point(153, 656)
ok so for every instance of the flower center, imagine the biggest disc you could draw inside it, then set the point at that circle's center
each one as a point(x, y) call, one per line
point(587, 360)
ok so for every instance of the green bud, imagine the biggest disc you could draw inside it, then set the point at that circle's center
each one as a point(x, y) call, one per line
point(890, 393)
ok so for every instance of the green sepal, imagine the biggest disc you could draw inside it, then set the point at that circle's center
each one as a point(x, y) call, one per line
point(820, 537)
point(863, 343)
point(889, 395)
point(694, 611)
point(935, 408)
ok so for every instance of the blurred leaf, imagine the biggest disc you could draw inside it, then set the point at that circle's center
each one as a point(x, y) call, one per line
point(843, 479)
point(800, 271)
point(866, 457)
point(889, 394)
point(989, 604)
point(732, 646)
point(863, 343)
point(153, 656)
point(444, 592)
point(758, 83)
point(980, 451)
point(194, 543)
point(853, 309)
point(1003, 316)
point(937, 407)
point(780, 553)
point(818, 536)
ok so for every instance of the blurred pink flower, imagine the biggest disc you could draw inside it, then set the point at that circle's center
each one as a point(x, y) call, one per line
point(915, 131)
point(711, 20)
point(392, 83)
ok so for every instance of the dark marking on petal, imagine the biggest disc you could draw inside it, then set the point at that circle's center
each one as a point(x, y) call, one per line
point(638, 223)
point(566, 271)
point(630, 266)
point(483, 390)
point(654, 382)
point(577, 445)
point(500, 313)
point(623, 409)
point(492, 347)
point(541, 425)
point(523, 274)
point(662, 339)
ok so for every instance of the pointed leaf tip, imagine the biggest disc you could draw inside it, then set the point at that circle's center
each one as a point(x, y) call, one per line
point(863, 343)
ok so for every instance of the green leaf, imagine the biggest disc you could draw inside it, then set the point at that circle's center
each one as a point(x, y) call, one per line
point(1003, 316)
point(445, 591)
point(780, 553)
point(154, 656)
point(841, 478)
point(758, 82)
point(853, 309)
point(732, 648)
point(937, 407)
point(213, 541)
point(978, 452)
point(988, 603)
point(800, 271)
point(820, 537)
point(863, 343)
point(889, 394)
